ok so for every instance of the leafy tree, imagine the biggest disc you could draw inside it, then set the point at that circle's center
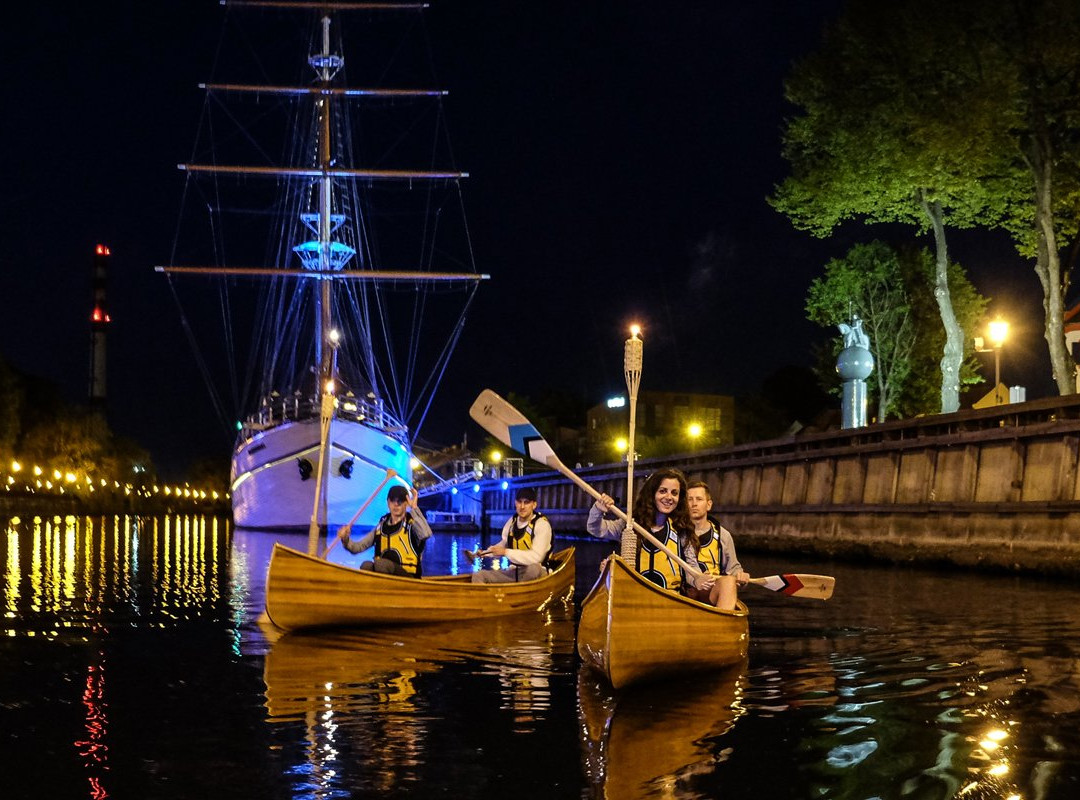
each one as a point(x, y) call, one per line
point(1034, 44)
point(895, 125)
point(75, 440)
point(920, 393)
point(868, 283)
point(892, 292)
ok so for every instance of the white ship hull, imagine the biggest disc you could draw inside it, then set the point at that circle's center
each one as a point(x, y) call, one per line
point(270, 491)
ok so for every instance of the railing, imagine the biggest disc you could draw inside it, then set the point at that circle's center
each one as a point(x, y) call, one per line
point(277, 409)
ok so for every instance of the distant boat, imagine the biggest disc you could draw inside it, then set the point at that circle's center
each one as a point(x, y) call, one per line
point(349, 247)
point(633, 631)
point(305, 592)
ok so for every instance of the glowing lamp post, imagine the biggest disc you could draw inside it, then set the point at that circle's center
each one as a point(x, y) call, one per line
point(997, 330)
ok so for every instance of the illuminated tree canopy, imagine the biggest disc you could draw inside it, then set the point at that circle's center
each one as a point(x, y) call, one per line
point(943, 115)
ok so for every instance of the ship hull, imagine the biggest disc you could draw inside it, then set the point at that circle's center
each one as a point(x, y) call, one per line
point(272, 490)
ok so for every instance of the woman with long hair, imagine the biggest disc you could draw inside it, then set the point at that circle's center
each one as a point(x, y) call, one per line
point(660, 506)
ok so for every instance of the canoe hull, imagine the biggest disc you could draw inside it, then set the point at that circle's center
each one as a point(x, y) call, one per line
point(305, 592)
point(632, 631)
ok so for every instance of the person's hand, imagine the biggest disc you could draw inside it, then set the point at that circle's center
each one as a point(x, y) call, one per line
point(605, 502)
point(343, 533)
point(742, 578)
point(706, 582)
point(496, 550)
point(413, 499)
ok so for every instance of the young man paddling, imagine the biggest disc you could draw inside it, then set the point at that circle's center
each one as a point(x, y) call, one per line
point(526, 544)
point(715, 549)
point(399, 537)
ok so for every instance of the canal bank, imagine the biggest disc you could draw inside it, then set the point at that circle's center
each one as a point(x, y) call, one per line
point(994, 489)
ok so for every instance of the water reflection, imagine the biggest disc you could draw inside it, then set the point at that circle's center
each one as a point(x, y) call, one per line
point(65, 572)
point(930, 647)
point(131, 660)
point(349, 689)
point(652, 740)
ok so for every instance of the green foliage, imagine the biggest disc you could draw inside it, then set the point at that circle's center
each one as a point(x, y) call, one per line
point(38, 427)
point(960, 114)
point(881, 104)
point(892, 292)
point(920, 393)
point(868, 283)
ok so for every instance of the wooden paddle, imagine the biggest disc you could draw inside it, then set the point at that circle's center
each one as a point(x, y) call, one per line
point(390, 474)
point(509, 426)
point(819, 587)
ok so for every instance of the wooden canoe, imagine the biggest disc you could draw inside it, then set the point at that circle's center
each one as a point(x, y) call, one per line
point(303, 591)
point(631, 630)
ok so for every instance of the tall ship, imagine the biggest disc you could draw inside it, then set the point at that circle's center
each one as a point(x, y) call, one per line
point(322, 236)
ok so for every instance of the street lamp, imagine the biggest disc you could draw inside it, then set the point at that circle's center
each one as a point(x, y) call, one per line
point(694, 430)
point(998, 329)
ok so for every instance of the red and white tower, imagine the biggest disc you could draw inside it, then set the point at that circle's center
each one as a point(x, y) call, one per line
point(99, 327)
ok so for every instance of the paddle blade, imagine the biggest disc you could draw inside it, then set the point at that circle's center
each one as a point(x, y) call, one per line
point(509, 426)
point(819, 587)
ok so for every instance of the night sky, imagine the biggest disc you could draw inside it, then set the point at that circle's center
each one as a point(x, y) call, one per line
point(620, 154)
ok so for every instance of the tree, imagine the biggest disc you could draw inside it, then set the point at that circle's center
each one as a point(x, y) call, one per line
point(1034, 44)
point(883, 105)
point(868, 283)
point(892, 292)
point(920, 392)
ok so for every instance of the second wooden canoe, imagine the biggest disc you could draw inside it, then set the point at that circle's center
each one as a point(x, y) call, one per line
point(303, 592)
point(632, 630)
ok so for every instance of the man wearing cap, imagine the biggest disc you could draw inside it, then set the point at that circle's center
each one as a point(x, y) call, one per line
point(399, 537)
point(526, 544)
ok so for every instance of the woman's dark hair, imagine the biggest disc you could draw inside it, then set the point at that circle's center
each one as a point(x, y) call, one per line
point(645, 505)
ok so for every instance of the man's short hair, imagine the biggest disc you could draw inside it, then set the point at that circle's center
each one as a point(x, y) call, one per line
point(397, 494)
point(526, 493)
point(700, 485)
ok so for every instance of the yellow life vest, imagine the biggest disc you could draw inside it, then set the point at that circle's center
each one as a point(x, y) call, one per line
point(397, 543)
point(522, 538)
point(655, 563)
point(709, 556)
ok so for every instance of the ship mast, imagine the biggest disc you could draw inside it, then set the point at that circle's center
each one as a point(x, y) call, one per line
point(327, 66)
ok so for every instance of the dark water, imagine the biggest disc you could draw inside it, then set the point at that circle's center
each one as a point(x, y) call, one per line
point(132, 666)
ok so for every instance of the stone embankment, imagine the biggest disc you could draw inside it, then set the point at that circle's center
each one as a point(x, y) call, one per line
point(996, 488)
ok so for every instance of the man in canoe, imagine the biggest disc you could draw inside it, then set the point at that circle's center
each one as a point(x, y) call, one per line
point(715, 549)
point(526, 544)
point(661, 505)
point(399, 537)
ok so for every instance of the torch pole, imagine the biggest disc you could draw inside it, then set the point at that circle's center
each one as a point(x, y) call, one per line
point(632, 354)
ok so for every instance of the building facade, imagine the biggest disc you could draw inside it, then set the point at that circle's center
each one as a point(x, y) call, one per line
point(666, 423)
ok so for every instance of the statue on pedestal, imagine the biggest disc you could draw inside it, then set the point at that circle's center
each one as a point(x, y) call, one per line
point(854, 366)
